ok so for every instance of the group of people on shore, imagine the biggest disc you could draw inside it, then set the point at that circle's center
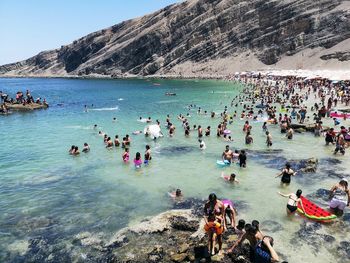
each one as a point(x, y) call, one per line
point(21, 98)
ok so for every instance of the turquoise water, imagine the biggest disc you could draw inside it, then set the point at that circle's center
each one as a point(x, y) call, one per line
point(44, 190)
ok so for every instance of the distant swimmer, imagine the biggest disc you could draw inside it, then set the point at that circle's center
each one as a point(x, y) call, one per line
point(71, 150)
point(177, 195)
point(126, 155)
point(293, 201)
point(230, 178)
point(138, 160)
point(149, 120)
point(76, 151)
point(86, 148)
point(202, 145)
point(268, 139)
point(114, 119)
point(148, 156)
point(116, 141)
point(137, 132)
point(109, 143)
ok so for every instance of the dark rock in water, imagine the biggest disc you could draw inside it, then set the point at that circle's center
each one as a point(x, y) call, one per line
point(271, 226)
point(177, 150)
point(321, 193)
point(191, 203)
point(330, 161)
point(241, 254)
point(181, 223)
point(307, 234)
point(344, 249)
point(346, 217)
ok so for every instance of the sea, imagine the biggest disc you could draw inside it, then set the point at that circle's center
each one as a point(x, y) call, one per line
point(46, 191)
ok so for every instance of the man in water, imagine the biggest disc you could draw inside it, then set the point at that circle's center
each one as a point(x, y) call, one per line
point(148, 156)
point(227, 154)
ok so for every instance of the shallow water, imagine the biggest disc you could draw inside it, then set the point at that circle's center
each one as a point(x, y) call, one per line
point(45, 191)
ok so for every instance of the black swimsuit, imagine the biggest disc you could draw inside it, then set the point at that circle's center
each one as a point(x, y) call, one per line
point(292, 208)
point(286, 177)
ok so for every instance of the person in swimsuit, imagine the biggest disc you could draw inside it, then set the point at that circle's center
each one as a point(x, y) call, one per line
point(86, 148)
point(137, 160)
point(148, 156)
point(230, 213)
point(340, 195)
point(242, 157)
point(230, 178)
point(290, 133)
point(214, 207)
point(286, 173)
point(293, 201)
point(126, 155)
point(227, 154)
point(268, 139)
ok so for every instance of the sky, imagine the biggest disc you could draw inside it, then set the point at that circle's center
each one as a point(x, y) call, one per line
point(30, 26)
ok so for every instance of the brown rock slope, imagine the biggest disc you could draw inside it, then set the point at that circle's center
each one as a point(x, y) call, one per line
point(206, 36)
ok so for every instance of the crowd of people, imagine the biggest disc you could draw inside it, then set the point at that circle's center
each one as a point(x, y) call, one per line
point(277, 102)
point(20, 98)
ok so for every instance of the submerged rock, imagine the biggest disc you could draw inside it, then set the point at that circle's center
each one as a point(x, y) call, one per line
point(271, 226)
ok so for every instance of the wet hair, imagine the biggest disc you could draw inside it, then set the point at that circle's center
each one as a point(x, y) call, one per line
point(178, 192)
point(241, 224)
point(344, 182)
point(298, 193)
point(233, 175)
point(138, 156)
point(212, 197)
point(255, 223)
point(117, 136)
point(148, 147)
point(76, 148)
point(247, 227)
point(72, 147)
point(287, 165)
point(85, 144)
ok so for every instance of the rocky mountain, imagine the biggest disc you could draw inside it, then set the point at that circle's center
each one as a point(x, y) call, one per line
point(206, 37)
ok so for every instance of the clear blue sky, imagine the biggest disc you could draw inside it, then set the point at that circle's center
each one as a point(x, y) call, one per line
point(30, 26)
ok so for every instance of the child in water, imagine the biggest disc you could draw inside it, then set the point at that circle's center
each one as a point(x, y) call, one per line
point(126, 155)
point(138, 160)
point(176, 195)
point(229, 178)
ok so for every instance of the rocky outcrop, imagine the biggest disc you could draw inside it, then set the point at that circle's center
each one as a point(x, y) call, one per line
point(208, 35)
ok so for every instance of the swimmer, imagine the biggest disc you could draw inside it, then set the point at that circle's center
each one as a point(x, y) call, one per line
point(202, 145)
point(268, 139)
point(138, 160)
point(126, 155)
point(114, 119)
point(86, 148)
point(136, 132)
point(116, 141)
point(230, 178)
point(76, 151)
point(109, 143)
point(71, 150)
point(148, 156)
point(176, 195)
point(293, 201)
point(242, 157)
point(227, 154)
point(286, 173)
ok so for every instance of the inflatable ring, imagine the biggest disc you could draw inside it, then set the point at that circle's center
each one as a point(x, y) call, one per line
point(213, 226)
point(227, 132)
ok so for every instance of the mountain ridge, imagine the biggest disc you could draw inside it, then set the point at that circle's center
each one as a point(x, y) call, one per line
point(206, 37)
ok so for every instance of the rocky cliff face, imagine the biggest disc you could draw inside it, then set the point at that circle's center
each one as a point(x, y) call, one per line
point(207, 36)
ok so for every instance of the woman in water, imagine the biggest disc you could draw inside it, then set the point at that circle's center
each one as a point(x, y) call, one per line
point(230, 212)
point(340, 195)
point(137, 160)
point(177, 195)
point(293, 201)
point(214, 211)
point(286, 173)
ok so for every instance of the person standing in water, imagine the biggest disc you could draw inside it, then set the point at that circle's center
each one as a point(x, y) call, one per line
point(148, 156)
point(227, 154)
point(286, 174)
point(340, 195)
point(293, 201)
point(290, 133)
point(268, 139)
